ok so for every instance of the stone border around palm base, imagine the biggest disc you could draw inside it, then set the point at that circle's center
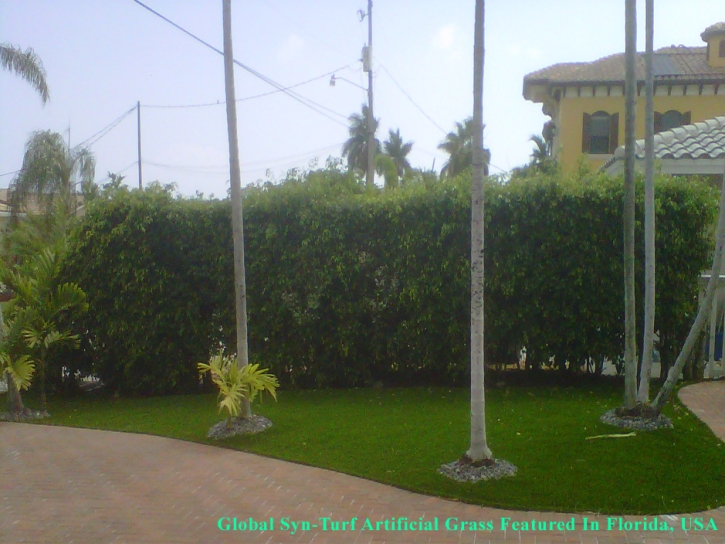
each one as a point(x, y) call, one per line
point(466, 472)
point(636, 423)
point(239, 426)
point(26, 415)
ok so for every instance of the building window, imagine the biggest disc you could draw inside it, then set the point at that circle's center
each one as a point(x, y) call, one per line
point(599, 133)
point(722, 49)
point(671, 119)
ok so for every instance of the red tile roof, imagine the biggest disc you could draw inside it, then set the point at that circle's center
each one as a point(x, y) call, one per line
point(676, 64)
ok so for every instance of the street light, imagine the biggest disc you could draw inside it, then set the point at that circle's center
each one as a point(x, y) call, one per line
point(335, 78)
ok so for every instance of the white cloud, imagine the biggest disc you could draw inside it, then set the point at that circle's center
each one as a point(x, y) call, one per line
point(445, 37)
point(290, 48)
point(531, 53)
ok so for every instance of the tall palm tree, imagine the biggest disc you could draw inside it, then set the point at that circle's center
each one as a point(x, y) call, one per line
point(27, 65)
point(479, 450)
point(240, 281)
point(649, 213)
point(396, 149)
point(51, 171)
point(459, 146)
point(630, 333)
point(355, 149)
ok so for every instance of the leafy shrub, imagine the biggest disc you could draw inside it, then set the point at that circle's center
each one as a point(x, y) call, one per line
point(237, 384)
point(348, 286)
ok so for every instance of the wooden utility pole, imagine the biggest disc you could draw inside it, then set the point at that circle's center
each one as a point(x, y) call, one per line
point(369, 178)
point(138, 119)
point(240, 282)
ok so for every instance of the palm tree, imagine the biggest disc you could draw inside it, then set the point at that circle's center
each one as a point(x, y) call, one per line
point(541, 151)
point(649, 214)
point(459, 146)
point(27, 65)
point(355, 149)
point(479, 450)
point(396, 149)
point(630, 340)
point(703, 312)
point(38, 304)
point(17, 369)
point(240, 281)
point(51, 170)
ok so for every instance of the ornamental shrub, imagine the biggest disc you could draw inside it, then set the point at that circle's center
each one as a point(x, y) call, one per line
point(348, 286)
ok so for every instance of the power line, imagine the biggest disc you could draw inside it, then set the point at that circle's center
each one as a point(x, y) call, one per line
point(223, 169)
point(301, 99)
point(107, 178)
point(413, 101)
point(105, 130)
point(220, 103)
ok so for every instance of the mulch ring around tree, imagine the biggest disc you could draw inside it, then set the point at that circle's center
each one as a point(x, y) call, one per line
point(239, 426)
point(641, 418)
point(467, 470)
point(26, 415)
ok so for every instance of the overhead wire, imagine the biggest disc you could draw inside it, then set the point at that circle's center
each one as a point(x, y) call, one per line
point(223, 169)
point(9, 173)
point(444, 131)
point(220, 102)
point(299, 98)
point(105, 130)
point(107, 178)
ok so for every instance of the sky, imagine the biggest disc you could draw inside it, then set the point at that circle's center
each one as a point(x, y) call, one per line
point(104, 56)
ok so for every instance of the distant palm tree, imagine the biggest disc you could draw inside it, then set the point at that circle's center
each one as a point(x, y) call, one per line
point(27, 65)
point(459, 146)
point(396, 149)
point(51, 170)
point(541, 151)
point(355, 149)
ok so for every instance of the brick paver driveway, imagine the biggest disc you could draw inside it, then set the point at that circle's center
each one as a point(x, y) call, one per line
point(64, 485)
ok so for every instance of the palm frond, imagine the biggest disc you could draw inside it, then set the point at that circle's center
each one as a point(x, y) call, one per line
point(21, 369)
point(27, 65)
point(237, 384)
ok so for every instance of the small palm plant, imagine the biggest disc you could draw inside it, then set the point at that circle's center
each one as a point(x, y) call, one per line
point(236, 384)
point(39, 303)
point(18, 369)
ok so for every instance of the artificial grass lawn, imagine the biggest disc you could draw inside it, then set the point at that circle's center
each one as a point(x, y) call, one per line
point(401, 437)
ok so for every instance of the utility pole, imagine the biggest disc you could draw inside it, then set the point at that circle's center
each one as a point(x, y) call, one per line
point(368, 67)
point(138, 119)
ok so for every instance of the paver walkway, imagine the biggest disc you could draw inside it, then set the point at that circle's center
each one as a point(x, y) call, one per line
point(63, 485)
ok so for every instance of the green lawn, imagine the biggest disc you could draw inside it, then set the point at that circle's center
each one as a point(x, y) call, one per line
point(401, 437)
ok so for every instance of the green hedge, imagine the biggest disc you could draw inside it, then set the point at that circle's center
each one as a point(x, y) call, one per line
point(347, 287)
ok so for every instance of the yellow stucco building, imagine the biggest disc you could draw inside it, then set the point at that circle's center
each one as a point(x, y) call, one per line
point(585, 100)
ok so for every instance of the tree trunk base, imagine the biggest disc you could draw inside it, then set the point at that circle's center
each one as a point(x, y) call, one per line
point(26, 414)
point(641, 410)
point(476, 463)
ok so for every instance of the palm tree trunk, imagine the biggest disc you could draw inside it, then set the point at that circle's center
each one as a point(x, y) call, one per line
point(703, 313)
point(41, 371)
point(14, 401)
point(649, 215)
point(479, 448)
point(630, 333)
point(240, 285)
